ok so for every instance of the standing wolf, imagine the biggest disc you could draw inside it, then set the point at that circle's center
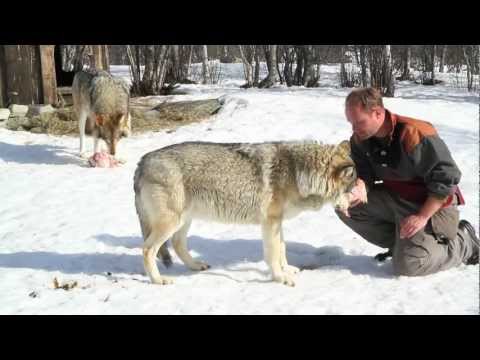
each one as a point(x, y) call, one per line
point(104, 100)
point(236, 183)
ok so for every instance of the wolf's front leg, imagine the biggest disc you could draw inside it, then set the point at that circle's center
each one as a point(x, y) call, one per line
point(283, 257)
point(272, 249)
point(82, 120)
point(96, 143)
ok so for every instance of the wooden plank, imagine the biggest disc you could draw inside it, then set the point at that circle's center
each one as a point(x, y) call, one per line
point(22, 74)
point(49, 81)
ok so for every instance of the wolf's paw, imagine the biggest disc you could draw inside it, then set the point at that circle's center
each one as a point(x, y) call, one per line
point(84, 155)
point(199, 266)
point(285, 279)
point(121, 160)
point(291, 269)
point(162, 280)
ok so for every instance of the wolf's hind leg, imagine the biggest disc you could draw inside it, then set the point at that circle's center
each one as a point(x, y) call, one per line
point(179, 242)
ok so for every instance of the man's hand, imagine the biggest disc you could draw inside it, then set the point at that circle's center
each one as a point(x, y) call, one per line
point(357, 195)
point(412, 224)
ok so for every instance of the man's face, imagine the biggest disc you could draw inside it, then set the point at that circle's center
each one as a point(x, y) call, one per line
point(365, 124)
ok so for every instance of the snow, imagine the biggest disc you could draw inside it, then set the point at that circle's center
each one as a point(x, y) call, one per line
point(60, 218)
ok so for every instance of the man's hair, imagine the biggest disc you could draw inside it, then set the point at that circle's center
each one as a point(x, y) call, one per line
point(366, 98)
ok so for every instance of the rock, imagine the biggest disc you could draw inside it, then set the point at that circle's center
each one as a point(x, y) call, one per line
point(35, 110)
point(36, 121)
point(15, 122)
point(4, 114)
point(18, 110)
point(188, 110)
point(37, 130)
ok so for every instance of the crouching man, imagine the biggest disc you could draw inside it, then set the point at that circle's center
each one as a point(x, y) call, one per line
point(413, 194)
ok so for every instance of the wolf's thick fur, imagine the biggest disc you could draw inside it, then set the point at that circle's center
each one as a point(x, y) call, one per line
point(236, 183)
point(104, 100)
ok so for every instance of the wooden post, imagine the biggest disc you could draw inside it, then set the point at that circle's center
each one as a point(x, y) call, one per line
point(49, 82)
point(3, 79)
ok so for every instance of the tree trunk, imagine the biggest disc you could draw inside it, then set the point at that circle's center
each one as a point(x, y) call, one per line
point(469, 69)
point(442, 58)
point(343, 73)
point(287, 70)
point(477, 61)
point(256, 77)
point(406, 63)
point(134, 63)
point(205, 67)
point(247, 66)
point(388, 74)
point(297, 79)
point(282, 80)
point(149, 56)
point(363, 65)
point(272, 77)
point(161, 65)
point(434, 48)
point(308, 79)
point(189, 61)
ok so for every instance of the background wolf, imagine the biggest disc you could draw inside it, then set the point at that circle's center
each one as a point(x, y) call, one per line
point(104, 100)
point(236, 183)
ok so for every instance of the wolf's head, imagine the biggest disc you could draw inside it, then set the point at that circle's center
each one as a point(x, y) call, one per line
point(343, 175)
point(112, 127)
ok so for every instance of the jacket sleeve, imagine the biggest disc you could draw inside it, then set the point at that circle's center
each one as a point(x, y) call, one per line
point(433, 162)
point(362, 164)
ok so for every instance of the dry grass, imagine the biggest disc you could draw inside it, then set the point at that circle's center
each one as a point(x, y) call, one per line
point(163, 116)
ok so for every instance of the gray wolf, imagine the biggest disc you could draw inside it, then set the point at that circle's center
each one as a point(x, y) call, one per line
point(104, 100)
point(236, 183)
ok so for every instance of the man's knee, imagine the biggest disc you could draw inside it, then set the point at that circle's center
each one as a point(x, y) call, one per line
point(412, 260)
point(357, 214)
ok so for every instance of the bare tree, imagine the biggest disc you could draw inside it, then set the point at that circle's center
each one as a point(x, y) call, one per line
point(442, 58)
point(271, 57)
point(309, 79)
point(363, 64)
point(471, 54)
point(432, 61)
point(256, 76)
point(389, 86)
point(155, 59)
point(381, 71)
point(205, 65)
point(247, 53)
point(406, 62)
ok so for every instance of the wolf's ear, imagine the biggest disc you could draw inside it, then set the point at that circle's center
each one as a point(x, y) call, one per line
point(99, 120)
point(344, 147)
point(346, 171)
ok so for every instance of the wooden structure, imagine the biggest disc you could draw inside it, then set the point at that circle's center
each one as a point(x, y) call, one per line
point(32, 74)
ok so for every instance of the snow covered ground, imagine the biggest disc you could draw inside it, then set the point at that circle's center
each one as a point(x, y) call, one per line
point(59, 218)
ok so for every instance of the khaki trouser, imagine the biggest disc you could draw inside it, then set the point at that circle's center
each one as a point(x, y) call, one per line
point(434, 248)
